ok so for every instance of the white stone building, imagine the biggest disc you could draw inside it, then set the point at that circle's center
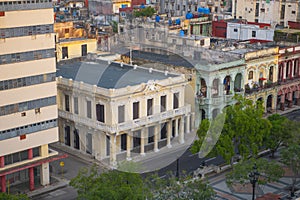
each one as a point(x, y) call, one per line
point(115, 109)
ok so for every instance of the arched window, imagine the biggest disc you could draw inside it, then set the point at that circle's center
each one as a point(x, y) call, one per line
point(271, 71)
point(250, 75)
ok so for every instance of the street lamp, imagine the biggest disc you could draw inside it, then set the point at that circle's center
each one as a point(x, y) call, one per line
point(253, 176)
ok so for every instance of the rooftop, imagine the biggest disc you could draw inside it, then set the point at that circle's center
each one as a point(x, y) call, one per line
point(109, 76)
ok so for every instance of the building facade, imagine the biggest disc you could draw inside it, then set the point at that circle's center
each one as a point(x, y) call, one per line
point(288, 77)
point(276, 12)
point(28, 109)
point(141, 110)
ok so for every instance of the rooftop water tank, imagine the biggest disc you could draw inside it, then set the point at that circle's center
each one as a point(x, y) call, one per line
point(200, 10)
point(189, 15)
point(181, 33)
point(206, 10)
point(157, 18)
point(177, 21)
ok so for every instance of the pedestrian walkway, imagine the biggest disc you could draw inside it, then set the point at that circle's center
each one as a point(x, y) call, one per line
point(244, 191)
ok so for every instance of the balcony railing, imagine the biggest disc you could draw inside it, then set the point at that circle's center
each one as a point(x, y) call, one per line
point(125, 125)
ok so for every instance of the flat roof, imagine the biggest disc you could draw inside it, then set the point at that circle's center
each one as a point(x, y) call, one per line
point(109, 76)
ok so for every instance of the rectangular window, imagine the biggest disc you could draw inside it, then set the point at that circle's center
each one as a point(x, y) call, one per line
point(163, 101)
point(149, 107)
point(83, 50)
point(121, 114)
point(136, 110)
point(67, 103)
point(253, 33)
point(76, 105)
point(176, 100)
point(235, 30)
point(65, 53)
point(89, 109)
point(100, 112)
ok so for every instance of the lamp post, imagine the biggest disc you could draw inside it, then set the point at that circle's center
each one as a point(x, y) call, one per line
point(253, 176)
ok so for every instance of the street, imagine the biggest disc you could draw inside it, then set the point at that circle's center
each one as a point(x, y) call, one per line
point(187, 162)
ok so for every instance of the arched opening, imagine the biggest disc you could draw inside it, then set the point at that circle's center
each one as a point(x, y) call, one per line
point(215, 112)
point(215, 88)
point(203, 114)
point(226, 84)
point(259, 102)
point(271, 72)
point(279, 104)
point(203, 88)
point(250, 75)
point(280, 72)
point(296, 68)
point(269, 103)
point(294, 98)
point(238, 83)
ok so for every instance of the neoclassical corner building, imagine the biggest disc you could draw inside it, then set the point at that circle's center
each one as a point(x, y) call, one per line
point(113, 110)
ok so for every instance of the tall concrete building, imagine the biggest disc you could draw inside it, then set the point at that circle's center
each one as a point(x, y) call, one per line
point(28, 110)
point(275, 12)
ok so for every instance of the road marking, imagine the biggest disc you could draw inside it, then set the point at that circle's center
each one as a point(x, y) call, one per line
point(210, 159)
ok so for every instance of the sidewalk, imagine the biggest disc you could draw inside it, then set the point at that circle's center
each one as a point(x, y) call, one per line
point(60, 183)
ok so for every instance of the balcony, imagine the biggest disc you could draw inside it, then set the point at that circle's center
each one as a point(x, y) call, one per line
point(125, 125)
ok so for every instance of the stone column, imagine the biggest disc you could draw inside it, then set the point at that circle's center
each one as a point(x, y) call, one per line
point(3, 183)
point(30, 171)
point(113, 155)
point(156, 138)
point(181, 130)
point(142, 138)
point(44, 170)
point(192, 121)
point(176, 127)
point(44, 174)
point(2, 162)
point(128, 146)
point(169, 131)
point(188, 124)
point(2, 178)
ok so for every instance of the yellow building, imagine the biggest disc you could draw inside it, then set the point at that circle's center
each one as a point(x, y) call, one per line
point(117, 4)
point(73, 42)
point(109, 109)
point(28, 110)
point(261, 76)
point(74, 48)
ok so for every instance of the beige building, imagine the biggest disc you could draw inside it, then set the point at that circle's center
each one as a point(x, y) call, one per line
point(73, 42)
point(28, 110)
point(266, 11)
point(116, 111)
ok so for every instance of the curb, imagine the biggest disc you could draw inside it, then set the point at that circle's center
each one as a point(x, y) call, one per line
point(48, 188)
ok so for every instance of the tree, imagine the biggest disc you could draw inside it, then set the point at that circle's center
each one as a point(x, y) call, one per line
point(290, 156)
point(4, 196)
point(279, 133)
point(269, 171)
point(242, 133)
point(144, 12)
point(183, 188)
point(109, 185)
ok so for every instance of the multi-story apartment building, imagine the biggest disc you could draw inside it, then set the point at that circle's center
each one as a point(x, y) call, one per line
point(109, 109)
point(288, 77)
point(275, 12)
point(220, 75)
point(181, 8)
point(28, 110)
